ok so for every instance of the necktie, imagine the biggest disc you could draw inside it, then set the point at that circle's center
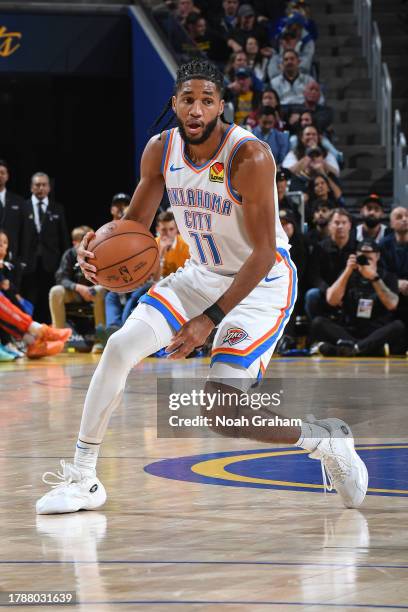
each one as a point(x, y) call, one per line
point(40, 212)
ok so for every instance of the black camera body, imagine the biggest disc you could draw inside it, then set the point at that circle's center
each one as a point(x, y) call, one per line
point(362, 260)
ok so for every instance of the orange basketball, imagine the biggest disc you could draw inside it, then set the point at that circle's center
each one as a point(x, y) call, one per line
point(126, 254)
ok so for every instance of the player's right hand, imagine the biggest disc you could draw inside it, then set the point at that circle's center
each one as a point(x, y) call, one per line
point(88, 270)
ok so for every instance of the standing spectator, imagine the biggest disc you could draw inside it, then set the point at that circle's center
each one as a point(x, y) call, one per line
point(119, 203)
point(45, 238)
point(320, 221)
point(267, 132)
point(247, 26)
point(371, 214)
point(11, 212)
point(328, 260)
point(368, 296)
point(73, 287)
point(394, 253)
point(228, 21)
point(313, 101)
point(205, 41)
point(290, 85)
point(245, 97)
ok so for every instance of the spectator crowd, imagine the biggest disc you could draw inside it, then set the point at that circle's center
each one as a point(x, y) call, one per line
point(353, 270)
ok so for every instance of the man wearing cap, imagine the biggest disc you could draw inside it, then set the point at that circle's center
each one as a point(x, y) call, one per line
point(368, 297)
point(245, 99)
point(294, 36)
point(371, 214)
point(284, 201)
point(118, 205)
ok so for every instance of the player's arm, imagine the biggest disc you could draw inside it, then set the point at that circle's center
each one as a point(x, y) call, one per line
point(145, 201)
point(253, 176)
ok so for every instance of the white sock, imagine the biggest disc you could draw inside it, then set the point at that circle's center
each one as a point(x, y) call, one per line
point(86, 456)
point(310, 436)
point(34, 328)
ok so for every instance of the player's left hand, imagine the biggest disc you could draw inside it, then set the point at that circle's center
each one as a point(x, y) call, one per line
point(191, 335)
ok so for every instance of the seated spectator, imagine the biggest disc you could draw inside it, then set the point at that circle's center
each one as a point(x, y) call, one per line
point(245, 98)
point(284, 201)
point(322, 188)
point(299, 255)
point(368, 297)
point(73, 287)
point(319, 225)
point(256, 61)
point(228, 20)
point(371, 214)
point(297, 121)
point(293, 37)
point(184, 9)
point(291, 83)
point(11, 212)
point(269, 99)
point(237, 60)
point(394, 254)
point(10, 276)
point(328, 260)
point(39, 339)
point(323, 115)
point(310, 157)
point(267, 132)
point(204, 40)
point(120, 201)
point(173, 252)
point(248, 26)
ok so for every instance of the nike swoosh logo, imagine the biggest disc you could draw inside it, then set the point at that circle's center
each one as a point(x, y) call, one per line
point(173, 169)
point(268, 280)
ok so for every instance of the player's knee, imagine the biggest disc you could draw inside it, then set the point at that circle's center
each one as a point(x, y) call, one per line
point(115, 348)
point(57, 293)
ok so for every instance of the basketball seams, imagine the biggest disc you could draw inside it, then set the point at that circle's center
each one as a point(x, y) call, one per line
point(106, 238)
point(118, 263)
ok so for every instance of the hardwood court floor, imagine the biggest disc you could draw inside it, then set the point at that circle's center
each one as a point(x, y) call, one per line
point(178, 536)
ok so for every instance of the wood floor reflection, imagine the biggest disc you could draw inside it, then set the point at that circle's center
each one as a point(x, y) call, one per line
point(174, 543)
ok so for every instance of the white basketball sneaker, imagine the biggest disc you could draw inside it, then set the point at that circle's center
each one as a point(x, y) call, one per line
point(71, 491)
point(345, 470)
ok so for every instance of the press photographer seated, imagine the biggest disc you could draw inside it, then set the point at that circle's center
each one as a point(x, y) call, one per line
point(368, 296)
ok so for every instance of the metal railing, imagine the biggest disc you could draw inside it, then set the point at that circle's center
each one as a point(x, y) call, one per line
point(400, 184)
point(378, 72)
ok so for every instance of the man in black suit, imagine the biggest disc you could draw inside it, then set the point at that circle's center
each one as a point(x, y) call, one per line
point(45, 238)
point(11, 212)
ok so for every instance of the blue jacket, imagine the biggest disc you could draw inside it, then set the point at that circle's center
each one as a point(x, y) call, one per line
point(278, 141)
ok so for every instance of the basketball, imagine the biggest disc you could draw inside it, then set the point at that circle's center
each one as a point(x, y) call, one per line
point(126, 255)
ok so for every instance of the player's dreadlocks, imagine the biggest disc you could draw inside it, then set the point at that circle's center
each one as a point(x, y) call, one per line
point(196, 69)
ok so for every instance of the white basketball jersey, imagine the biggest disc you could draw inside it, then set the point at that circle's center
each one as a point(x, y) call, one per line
point(207, 210)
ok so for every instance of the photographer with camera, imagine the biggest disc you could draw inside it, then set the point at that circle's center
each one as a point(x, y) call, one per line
point(368, 297)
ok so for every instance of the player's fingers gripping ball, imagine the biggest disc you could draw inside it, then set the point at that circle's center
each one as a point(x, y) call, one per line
point(126, 255)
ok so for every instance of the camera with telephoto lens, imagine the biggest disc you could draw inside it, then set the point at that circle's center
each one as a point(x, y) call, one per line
point(362, 260)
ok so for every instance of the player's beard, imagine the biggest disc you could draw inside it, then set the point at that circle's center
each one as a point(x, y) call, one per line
point(208, 130)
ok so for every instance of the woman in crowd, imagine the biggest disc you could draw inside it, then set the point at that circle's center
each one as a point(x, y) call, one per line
point(325, 189)
point(310, 156)
point(256, 61)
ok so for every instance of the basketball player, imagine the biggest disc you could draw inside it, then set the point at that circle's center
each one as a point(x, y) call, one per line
point(221, 184)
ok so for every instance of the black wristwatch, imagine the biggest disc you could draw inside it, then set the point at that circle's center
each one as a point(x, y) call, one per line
point(375, 279)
